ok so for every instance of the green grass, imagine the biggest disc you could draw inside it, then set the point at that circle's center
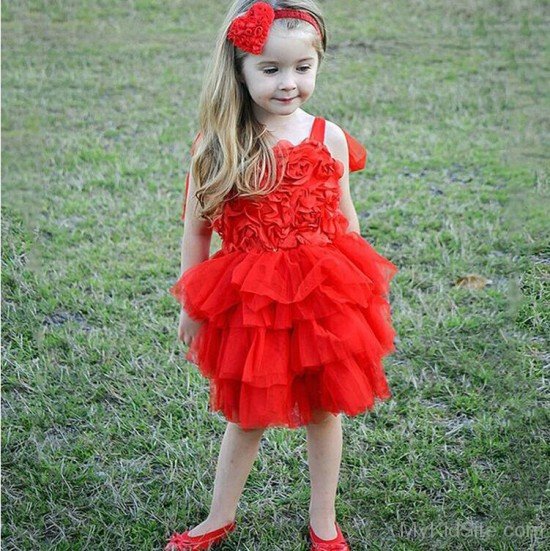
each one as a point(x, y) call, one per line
point(107, 440)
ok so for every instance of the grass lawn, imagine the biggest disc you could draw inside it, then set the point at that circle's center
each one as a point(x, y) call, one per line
point(107, 441)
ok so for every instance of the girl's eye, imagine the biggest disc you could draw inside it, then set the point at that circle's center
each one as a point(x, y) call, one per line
point(271, 70)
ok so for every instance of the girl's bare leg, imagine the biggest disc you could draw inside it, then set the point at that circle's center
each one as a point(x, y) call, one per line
point(238, 451)
point(324, 445)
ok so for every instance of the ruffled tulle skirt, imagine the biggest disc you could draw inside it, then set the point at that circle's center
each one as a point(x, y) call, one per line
point(291, 332)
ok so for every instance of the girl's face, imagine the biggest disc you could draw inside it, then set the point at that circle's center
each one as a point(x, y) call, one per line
point(282, 77)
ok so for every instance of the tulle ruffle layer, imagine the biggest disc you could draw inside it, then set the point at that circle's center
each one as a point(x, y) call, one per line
point(291, 332)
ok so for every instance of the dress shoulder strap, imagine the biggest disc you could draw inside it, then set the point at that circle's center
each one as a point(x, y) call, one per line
point(318, 129)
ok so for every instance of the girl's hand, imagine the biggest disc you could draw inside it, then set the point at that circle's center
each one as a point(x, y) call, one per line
point(188, 327)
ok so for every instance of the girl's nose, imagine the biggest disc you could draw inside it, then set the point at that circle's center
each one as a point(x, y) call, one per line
point(287, 83)
point(287, 86)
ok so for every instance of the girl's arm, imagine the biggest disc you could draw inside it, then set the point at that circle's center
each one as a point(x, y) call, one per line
point(197, 234)
point(336, 141)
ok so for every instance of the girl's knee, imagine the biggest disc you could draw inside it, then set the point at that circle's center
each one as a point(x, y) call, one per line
point(256, 432)
point(249, 432)
point(322, 417)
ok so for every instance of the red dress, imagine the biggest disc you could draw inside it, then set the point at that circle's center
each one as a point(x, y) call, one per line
point(294, 307)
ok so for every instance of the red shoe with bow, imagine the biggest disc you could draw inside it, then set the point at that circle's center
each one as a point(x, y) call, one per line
point(185, 542)
point(339, 543)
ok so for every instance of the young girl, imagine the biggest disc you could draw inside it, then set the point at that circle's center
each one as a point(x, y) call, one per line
point(289, 320)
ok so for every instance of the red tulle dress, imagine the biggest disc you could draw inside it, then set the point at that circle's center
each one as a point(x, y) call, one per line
point(295, 311)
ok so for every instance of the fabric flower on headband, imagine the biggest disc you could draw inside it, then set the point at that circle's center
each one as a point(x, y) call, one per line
point(249, 31)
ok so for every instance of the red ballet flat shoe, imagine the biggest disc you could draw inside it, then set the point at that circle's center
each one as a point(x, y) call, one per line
point(339, 543)
point(185, 542)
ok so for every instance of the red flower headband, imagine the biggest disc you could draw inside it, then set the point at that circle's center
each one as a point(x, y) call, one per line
point(249, 31)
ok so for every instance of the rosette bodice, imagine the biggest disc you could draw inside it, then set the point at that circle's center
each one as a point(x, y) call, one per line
point(303, 208)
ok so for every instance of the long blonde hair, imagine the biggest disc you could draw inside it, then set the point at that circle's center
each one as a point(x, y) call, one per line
point(233, 153)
